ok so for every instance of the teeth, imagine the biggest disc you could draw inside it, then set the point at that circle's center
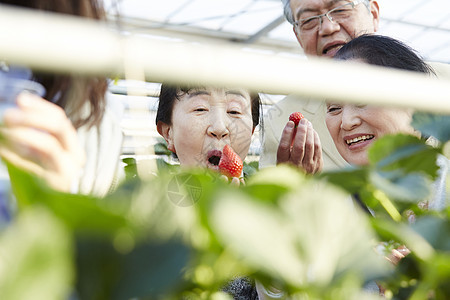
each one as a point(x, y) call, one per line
point(359, 138)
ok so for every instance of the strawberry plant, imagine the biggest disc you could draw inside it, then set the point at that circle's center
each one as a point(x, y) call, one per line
point(298, 233)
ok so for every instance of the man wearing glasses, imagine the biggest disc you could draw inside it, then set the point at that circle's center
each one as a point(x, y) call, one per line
point(321, 27)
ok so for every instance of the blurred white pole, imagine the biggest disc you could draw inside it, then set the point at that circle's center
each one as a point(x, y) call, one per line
point(67, 44)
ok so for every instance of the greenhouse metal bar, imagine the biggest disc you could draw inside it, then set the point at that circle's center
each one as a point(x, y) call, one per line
point(59, 43)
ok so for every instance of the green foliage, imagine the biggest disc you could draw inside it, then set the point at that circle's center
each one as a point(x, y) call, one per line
point(250, 168)
point(434, 125)
point(186, 233)
point(130, 167)
point(36, 258)
point(160, 147)
point(401, 169)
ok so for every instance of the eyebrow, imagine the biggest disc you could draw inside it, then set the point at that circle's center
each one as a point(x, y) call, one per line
point(197, 93)
point(329, 4)
point(235, 92)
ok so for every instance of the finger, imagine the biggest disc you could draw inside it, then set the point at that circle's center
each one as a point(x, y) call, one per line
point(242, 180)
point(20, 162)
point(403, 250)
point(39, 147)
point(284, 147)
point(52, 179)
point(397, 254)
point(308, 158)
point(223, 178)
point(298, 148)
point(318, 158)
point(235, 182)
point(40, 114)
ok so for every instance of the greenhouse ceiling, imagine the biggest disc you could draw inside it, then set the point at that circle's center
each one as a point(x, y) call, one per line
point(259, 25)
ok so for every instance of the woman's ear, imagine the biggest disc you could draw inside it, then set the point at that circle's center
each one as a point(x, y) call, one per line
point(165, 131)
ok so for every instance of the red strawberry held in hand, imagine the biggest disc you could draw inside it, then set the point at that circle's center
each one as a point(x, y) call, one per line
point(296, 117)
point(230, 163)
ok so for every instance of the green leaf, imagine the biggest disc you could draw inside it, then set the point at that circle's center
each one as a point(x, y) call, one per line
point(266, 192)
point(283, 176)
point(130, 167)
point(250, 168)
point(257, 233)
point(162, 150)
point(435, 230)
point(350, 179)
point(151, 269)
point(36, 258)
point(434, 125)
point(163, 166)
point(411, 187)
point(83, 214)
point(405, 153)
point(313, 237)
point(404, 234)
point(270, 184)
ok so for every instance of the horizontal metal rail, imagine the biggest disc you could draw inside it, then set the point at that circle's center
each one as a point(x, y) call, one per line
point(59, 43)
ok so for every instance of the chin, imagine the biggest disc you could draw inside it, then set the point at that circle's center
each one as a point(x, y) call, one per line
point(358, 162)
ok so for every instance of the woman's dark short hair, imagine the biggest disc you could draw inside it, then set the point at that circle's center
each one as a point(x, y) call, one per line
point(384, 51)
point(169, 93)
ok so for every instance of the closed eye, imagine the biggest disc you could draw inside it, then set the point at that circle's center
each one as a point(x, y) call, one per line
point(333, 109)
point(234, 112)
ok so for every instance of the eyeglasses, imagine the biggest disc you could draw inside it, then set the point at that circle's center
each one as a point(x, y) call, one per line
point(335, 16)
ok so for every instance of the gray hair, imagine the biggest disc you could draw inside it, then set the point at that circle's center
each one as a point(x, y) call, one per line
point(288, 12)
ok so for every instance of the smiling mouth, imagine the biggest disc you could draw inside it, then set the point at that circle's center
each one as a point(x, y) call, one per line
point(359, 139)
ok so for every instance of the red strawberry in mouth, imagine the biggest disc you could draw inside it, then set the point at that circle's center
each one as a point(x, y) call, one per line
point(230, 163)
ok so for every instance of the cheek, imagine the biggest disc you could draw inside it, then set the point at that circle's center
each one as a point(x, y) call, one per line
point(396, 122)
point(241, 136)
point(188, 140)
point(358, 26)
point(309, 46)
point(333, 127)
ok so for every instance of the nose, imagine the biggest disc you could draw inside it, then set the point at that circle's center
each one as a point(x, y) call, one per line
point(350, 118)
point(218, 127)
point(327, 25)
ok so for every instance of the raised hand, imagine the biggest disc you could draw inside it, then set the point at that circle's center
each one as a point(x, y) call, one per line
point(300, 146)
point(38, 137)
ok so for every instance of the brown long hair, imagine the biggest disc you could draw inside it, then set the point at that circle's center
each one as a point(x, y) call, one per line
point(72, 92)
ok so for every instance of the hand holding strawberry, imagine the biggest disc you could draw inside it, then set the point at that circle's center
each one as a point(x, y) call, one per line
point(300, 145)
point(230, 163)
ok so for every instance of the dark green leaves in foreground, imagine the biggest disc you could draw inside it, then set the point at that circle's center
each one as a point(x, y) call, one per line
point(186, 233)
point(434, 125)
point(401, 166)
point(396, 185)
